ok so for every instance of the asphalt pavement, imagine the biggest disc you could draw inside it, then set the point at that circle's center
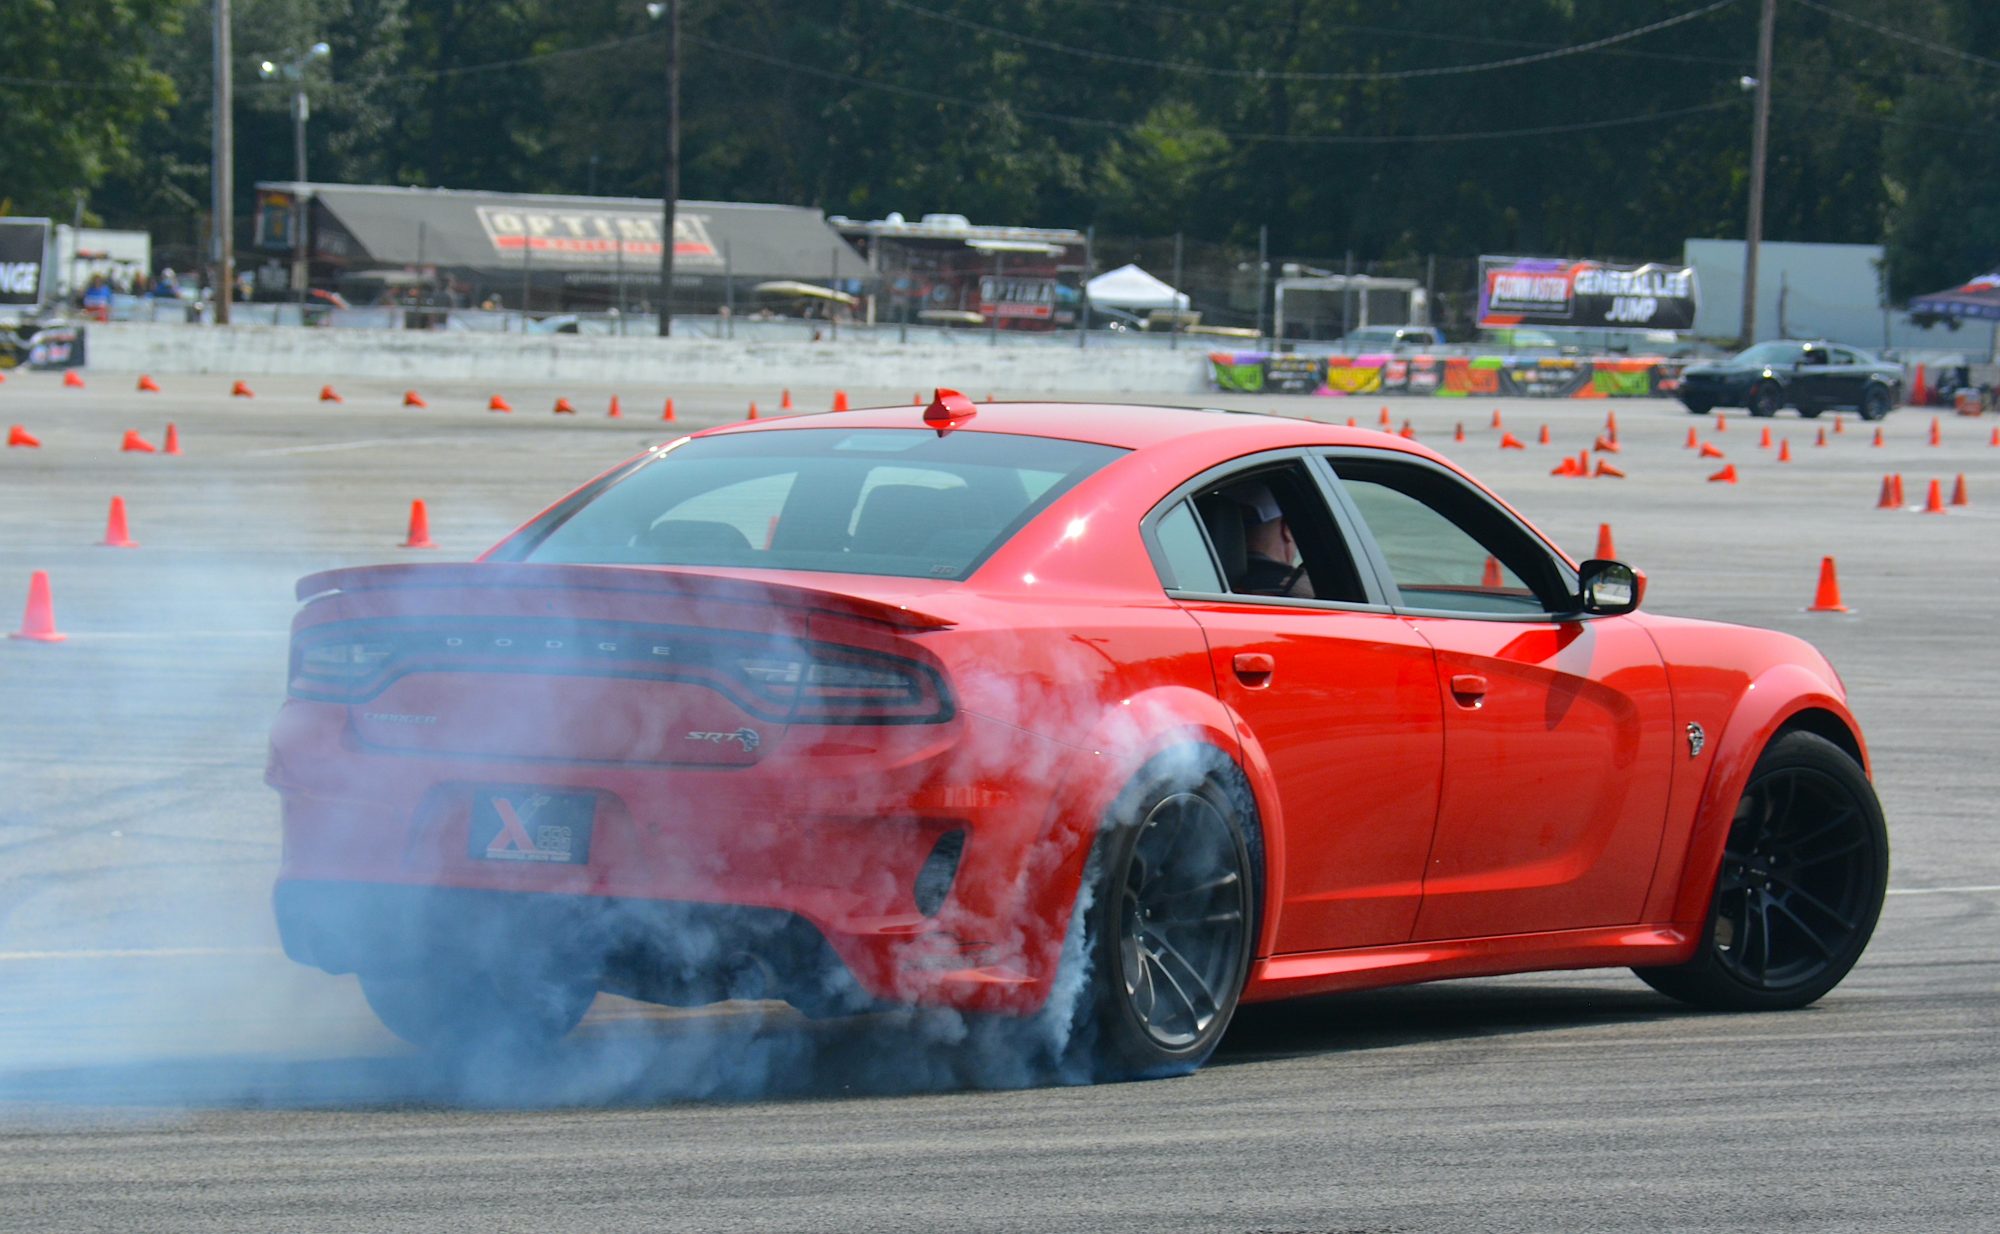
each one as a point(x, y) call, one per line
point(162, 1067)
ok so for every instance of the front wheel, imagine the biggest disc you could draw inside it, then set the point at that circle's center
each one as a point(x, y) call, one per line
point(1801, 885)
point(1875, 402)
point(1766, 399)
point(1172, 926)
point(1698, 405)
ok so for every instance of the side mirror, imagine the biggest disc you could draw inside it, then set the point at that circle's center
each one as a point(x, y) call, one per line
point(1609, 587)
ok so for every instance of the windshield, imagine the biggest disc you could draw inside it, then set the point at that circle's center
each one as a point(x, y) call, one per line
point(866, 501)
point(1770, 353)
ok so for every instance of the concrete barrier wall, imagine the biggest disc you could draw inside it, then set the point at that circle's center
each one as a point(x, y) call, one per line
point(974, 366)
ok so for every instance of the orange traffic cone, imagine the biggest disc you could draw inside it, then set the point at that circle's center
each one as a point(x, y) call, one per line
point(1937, 432)
point(1958, 497)
point(496, 403)
point(1490, 576)
point(1821, 439)
point(1920, 391)
point(1458, 432)
point(1710, 450)
point(840, 400)
point(327, 394)
point(1350, 421)
point(135, 444)
point(1606, 445)
point(19, 438)
point(1726, 476)
point(420, 526)
point(241, 390)
point(785, 399)
point(1839, 426)
point(1606, 471)
point(147, 385)
point(1934, 503)
point(1496, 418)
point(1542, 438)
point(1827, 598)
point(412, 399)
point(1764, 442)
point(72, 379)
point(1887, 499)
point(1510, 442)
point(116, 535)
point(1566, 468)
point(614, 413)
point(1611, 425)
point(1897, 480)
point(667, 412)
point(563, 408)
point(1995, 440)
point(1721, 423)
point(753, 410)
point(1785, 450)
point(1694, 439)
point(173, 443)
point(917, 400)
point(1606, 551)
point(1406, 432)
point(1583, 462)
point(1877, 443)
point(38, 621)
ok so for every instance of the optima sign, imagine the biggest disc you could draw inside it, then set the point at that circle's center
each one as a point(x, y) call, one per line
point(612, 235)
point(23, 248)
point(1516, 291)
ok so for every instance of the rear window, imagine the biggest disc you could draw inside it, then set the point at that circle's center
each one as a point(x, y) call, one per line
point(865, 501)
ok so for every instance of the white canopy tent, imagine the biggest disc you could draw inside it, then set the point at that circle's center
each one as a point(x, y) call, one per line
point(1128, 287)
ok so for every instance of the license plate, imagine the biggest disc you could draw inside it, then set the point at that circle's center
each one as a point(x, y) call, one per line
point(527, 824)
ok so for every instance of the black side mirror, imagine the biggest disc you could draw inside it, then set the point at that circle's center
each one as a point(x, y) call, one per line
point(1609, 587)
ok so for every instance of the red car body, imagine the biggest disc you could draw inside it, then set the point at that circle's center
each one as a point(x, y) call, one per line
point(1436, 794)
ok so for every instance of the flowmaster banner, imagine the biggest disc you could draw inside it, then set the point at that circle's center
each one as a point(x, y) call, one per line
point(1534, 291)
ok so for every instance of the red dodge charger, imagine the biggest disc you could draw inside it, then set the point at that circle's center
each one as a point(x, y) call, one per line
point(1100, 717)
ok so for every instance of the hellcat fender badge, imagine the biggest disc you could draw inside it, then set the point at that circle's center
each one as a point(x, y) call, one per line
point(1696, 738)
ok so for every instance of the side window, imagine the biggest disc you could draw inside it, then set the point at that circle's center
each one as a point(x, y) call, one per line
point(1447, 547)
point(1188, 564)
point(1273, 536)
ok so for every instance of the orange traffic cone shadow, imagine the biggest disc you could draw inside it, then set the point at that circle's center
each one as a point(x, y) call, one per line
point(38, 621)
point(1827, 598)
point(116, 535)
point(19, 438)
point(135, 444)
point(420, 526)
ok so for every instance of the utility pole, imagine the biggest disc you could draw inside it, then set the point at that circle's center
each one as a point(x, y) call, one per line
point(1753, 231)
point(221, 176)
point(671, 11)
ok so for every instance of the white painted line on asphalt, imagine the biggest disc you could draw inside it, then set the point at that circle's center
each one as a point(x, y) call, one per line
point(366, 443)
point(1942, 891)
point(136, 953)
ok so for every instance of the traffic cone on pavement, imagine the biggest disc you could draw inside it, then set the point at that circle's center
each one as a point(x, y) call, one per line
point(785, 399)
point(1726, 476)
point(1839, 426)
point(1937, 432)
point(420, 526)
point(116, 534)
point(1458, 432)
point(1785, 450)
point(1897, 480)
point(1721, 423)
point(1826, 599)
point(496, 403)
point(614, 413)
point(1496, 418)
point(1764, 442)
point(1542, 438)
point(667, 412)
point(1606, 445)
point(173, 443)
point(1995, 439)
point(1958, 497)
point(241, 390)
point(1510, 442)
point(327, 394)
point(147, 385)
point(19, 438)
point(1934, 503)
point(1694, 439)
point(1489, 577)
point(38, 621)
point(1887, 499)
point(563, 408)
point(753, 410)
point(1606, 471)
point(135, 444)
point(1821, 439)
point(412, 399)
point(1877, 443)
point(1710, 450)
point(72, 379)
point(1606, 550)
point(1611, 425)
point(1565, 468)
point(840, 400)
point(1406, 432)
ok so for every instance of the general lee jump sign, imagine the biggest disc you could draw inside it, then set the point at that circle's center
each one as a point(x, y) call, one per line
point(23, 246)
point(1540, 292)
point(612, 235)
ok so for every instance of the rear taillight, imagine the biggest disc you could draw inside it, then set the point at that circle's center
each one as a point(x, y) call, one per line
point(822, 684)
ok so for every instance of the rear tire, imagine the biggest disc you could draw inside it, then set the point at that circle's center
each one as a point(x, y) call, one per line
point(1171, 930)
point(459, 1012)
point(1801, 885)
point(1765, 399)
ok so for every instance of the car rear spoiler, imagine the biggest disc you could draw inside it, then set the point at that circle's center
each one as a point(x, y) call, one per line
point(656, 580)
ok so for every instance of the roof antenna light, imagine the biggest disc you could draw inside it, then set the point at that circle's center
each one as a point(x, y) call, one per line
point(948, 410)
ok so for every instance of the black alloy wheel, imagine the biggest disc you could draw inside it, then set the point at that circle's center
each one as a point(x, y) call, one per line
point(1801, 885)
point(1766, 398)
point(1172, 929)
point(1875, 403)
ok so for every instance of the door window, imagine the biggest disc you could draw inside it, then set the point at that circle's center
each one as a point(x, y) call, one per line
point(1449, 549)
point(1272, 536)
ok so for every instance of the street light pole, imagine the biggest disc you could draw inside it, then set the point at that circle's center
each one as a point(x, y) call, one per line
point(1753, 230)
point(671, 10)
point(294, 70)
point(222, 181)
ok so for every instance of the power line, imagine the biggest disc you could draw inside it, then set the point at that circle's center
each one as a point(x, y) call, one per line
point(1301, 139)
point(1182, 66)
point(1887, 32)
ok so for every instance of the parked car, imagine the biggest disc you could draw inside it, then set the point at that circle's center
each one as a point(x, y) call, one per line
point(1811, 376)
point(1390, 338)
point(1136, 711)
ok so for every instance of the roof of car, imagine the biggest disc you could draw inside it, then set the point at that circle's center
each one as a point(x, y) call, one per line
point(1125, 425)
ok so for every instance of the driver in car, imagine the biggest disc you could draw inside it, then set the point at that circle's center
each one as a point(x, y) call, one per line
point(1273, 556)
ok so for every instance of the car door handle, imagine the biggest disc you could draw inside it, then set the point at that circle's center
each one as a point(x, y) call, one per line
point(1468, 688)
point(1254, 668)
